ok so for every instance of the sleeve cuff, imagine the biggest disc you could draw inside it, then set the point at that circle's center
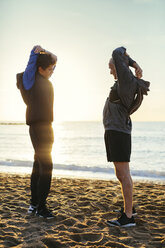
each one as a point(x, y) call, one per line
point(33, 53)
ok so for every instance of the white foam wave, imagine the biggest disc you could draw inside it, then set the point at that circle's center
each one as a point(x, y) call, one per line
point(8, 164)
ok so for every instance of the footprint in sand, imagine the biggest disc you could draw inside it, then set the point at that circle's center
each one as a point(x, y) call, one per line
point(10, 241)
point(53, 243)
point(68, 222)
point(87, 237)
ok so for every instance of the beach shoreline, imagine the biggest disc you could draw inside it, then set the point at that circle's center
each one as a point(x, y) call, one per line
point(73, 174)
point(81, 207)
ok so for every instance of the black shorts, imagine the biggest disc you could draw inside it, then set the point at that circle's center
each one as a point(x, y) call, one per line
point(118, 146)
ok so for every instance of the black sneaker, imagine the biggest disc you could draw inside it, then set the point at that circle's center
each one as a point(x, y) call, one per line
point(134, 213)
point(123, 221)
point(32, 209)
point(44, 213)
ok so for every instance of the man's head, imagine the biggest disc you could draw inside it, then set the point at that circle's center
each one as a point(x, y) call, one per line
point(112, 68)
point(45, 65)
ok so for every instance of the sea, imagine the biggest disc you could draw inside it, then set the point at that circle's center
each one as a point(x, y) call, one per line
point(79, 151)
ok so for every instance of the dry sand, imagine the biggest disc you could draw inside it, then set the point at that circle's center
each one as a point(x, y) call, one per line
point(81, 209)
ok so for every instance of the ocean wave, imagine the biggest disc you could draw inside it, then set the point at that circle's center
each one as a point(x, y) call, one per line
point(12, 123)
point(93, 169)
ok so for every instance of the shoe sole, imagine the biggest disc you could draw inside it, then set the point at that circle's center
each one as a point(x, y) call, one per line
point(31, 213)
point(48, 218)
point(127, 225)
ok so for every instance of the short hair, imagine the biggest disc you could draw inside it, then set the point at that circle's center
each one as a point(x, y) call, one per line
point(44, 61)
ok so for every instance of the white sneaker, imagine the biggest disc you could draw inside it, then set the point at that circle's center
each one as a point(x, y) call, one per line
point(32, 209)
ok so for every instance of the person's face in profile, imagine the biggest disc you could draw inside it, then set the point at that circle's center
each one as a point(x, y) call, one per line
point(112, 69)
point(47, 73)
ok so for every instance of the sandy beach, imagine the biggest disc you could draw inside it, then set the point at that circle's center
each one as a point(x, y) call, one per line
point(81, 209)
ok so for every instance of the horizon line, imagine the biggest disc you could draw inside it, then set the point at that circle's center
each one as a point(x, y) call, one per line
point(63, 121)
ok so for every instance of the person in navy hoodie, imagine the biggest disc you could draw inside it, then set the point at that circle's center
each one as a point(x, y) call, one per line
point(38, 95)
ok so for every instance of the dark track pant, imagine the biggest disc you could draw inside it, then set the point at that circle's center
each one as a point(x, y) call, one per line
point(42, 138)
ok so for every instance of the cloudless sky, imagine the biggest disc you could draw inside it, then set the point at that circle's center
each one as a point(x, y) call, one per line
point(83, 34)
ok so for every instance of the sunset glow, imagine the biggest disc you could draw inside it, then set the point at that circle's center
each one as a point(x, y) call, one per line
point(83, 35)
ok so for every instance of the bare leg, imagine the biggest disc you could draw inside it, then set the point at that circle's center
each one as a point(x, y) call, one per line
point(123, 175)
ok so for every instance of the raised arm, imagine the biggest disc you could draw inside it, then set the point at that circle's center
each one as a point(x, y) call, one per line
point(122, 62)
point(138, 70)
point(132, 63)
point(30, 71)
point(39, 49)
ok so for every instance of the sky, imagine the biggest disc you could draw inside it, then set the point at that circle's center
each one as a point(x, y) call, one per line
point(83, 34)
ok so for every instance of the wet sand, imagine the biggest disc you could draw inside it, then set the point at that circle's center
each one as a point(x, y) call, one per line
point(81, 209)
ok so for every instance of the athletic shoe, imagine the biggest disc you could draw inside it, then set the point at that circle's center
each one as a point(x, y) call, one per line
point(123, 221)
point(134, 213)
point(32, 209)
point(44, 213)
